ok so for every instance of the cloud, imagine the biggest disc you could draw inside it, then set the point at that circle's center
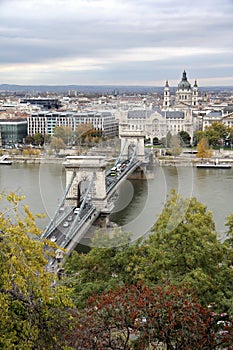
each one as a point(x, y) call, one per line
point(100, 36)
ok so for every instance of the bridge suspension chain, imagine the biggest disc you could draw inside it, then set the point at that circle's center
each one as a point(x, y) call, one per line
point(52, 221)
point(120, 155)
point(73, 227)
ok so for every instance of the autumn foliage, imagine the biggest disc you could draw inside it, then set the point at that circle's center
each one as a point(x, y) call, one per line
point(140, 317)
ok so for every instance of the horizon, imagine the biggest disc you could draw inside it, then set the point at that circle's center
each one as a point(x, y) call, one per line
point(110, 85)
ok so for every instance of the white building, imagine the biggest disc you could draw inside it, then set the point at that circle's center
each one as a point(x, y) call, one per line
point(45, 122)
point(186, 96)
point(156, 123)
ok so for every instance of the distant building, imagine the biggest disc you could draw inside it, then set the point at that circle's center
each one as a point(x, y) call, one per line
point(210, 116)
point(186, 96)
point(13, 131)
point(45, 103)
point(45, 122)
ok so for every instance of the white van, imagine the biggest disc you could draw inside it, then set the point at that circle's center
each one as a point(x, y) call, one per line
point(76, 211)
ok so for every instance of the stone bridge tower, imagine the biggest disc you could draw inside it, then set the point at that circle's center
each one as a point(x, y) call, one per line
point(130, 139)
point(88, 171)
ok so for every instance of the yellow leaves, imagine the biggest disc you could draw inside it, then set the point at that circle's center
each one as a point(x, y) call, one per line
point(203, 150)
point(31, 303)
point(14, 198)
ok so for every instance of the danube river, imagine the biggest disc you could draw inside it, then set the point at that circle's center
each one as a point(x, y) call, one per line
point(139, 202)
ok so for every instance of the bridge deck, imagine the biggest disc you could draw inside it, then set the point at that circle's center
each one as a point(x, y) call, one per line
point(68, 227)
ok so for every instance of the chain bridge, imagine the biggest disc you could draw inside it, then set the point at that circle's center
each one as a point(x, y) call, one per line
point(90, 190)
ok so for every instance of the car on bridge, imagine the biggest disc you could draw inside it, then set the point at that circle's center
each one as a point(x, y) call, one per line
point(124, 164)
point(65, 224)
point(113, 172)
point(76, 211)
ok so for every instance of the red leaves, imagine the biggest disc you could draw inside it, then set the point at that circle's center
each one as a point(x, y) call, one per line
point(147, 317)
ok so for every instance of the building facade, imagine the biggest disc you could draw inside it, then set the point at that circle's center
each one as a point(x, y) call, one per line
point(186, 96)
point(45, 122)
point(156, 123)
point(45, 103)
point(13, 131)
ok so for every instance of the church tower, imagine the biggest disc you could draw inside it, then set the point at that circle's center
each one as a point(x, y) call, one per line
point(195, 94)
point(166, 96)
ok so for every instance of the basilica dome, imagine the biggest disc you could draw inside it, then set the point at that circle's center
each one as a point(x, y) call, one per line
point(184, 83)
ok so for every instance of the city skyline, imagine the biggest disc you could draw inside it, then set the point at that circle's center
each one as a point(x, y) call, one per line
point(109, 42)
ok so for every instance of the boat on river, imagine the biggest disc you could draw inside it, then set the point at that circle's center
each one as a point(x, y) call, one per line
point(214, 165)
point(5, 161)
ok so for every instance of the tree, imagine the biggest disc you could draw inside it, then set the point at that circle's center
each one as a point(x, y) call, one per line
point(229, 224)
point(185, 137)
point(63, 132)
point(216, 133)
point(175, 148)
point(29, 140)
point(47, 138)
point(140, 317)
point(203, 150)
point(184, 249)
point(57, 144)
point(168, 139)
point(38, 139)
point(198, 135)
point(81, 131)
point(111, 261)
point(34, 310)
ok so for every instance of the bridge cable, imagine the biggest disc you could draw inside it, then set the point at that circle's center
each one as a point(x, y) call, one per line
point(46, 232)
point(73, 226)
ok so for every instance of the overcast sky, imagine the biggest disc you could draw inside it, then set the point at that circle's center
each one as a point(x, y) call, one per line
point(116, 42)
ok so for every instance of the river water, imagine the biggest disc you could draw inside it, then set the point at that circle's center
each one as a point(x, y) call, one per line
point(139, 202)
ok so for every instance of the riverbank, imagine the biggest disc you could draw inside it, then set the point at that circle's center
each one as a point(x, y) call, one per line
point(37, 160)
point(161, 160)
point(184, 161)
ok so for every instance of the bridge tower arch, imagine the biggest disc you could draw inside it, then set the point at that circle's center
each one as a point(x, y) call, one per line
point(129, 139)
point(89, 169)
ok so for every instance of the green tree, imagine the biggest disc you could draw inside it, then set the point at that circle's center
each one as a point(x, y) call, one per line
point(184, 248)
point(229, 224)
point(216, 133)
point(33, 309)
point(57, 144)
point(112, 261)
point(203, 149)
point(185, 137)
point(198, 135)
point(38, 139)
